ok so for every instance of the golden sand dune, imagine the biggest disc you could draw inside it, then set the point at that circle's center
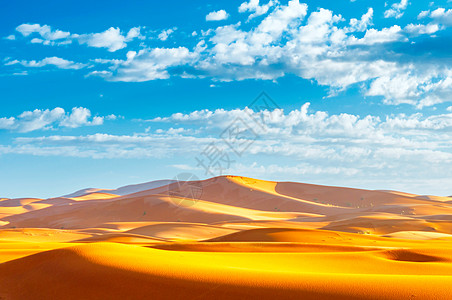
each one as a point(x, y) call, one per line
point(227, 237)
point(96, 270)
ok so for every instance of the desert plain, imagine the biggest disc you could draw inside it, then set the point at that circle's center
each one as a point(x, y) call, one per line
point(227, 237)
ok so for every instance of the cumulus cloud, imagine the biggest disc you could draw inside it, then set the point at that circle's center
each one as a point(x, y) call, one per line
point(363, 23)
point(418, 29)
point(149, 64)
point(217, 15)
point(38, 119)
point(163, 36)
point(112, 38)
point(385, 35)
point(397, 10)
point(47, 119)
point(256, 9)
point(423, 14)
point(49, 36)
point(7, 123)
point(410, 86)
point(440, 15)
point(279, 21)
point(80, 116)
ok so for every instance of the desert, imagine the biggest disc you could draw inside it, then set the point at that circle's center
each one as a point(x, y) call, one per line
point(241, 238)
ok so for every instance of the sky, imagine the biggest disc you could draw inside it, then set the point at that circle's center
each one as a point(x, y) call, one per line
point(108, 93)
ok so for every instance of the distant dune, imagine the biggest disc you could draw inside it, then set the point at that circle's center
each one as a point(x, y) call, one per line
point(125, 190)
point(227, 237)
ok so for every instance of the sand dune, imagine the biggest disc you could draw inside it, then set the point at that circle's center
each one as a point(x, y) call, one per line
point(235, 238)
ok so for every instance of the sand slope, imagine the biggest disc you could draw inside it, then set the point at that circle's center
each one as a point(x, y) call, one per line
point(237, 238)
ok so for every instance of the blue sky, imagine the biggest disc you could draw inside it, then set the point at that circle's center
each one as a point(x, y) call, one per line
point(104, 93)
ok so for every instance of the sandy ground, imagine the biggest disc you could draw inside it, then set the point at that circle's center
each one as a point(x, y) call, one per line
point(228, 238)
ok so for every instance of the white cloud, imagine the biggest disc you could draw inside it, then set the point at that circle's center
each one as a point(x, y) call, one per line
point(112, 38)
point(44, 31)
point(36, 41)
point(421, 88)
point(11, 37)
point(47, 119)
point(38, 119)
point(217, 15)
point(279, 21)
point(422, 29)
point(150, 64)
point(6, 123)
point(80, 117)
point(58, 62)
point(385, 35)
point(133, 33)
point(27, 29)
point(423, 14)
point(363, 23)
point(397, 10)
point(240, 48)
point(442, 16)
point(256, 9)
point(163, 36)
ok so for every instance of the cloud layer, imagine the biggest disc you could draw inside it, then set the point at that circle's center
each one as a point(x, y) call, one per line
point(316, 47)
point(406, 147)
point(394, 62)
